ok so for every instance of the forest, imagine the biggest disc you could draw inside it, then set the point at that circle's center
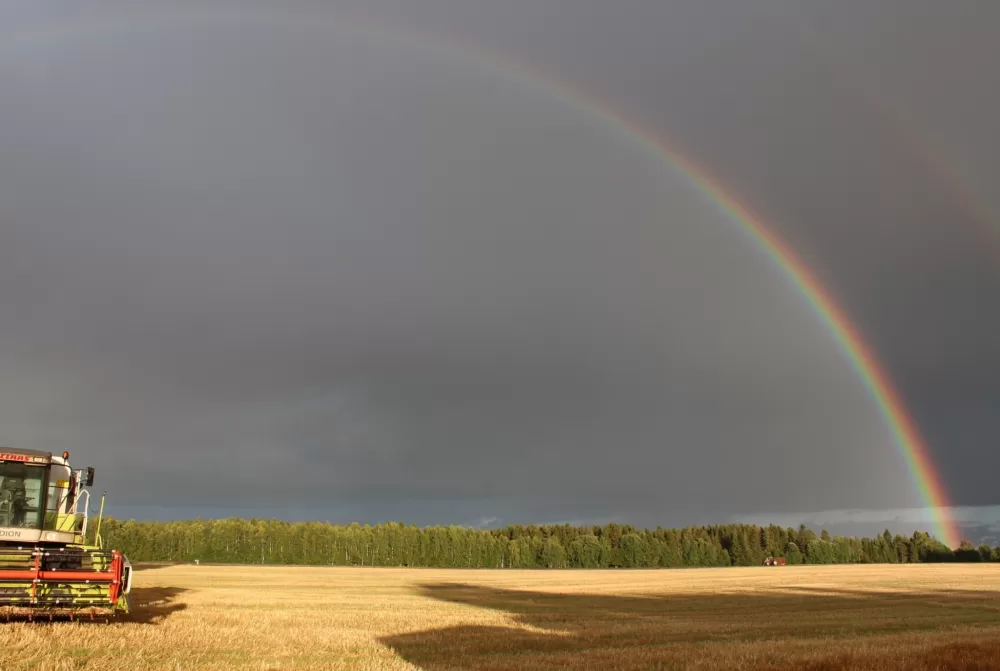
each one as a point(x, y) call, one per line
point(260, 541)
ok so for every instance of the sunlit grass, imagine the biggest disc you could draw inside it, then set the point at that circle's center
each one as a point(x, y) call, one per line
point(824, 617)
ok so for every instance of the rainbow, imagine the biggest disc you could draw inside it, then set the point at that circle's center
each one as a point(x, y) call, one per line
point(904, 430)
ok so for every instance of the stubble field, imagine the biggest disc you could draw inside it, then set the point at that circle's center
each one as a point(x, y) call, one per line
point(828, 617)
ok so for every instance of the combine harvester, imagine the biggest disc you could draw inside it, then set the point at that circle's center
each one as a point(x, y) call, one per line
point(47, 568)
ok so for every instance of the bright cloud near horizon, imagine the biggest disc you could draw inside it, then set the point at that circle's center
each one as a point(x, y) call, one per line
point(254, 266)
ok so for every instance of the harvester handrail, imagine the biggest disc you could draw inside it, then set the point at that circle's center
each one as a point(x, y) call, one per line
point(86, 507)
point(100, 516)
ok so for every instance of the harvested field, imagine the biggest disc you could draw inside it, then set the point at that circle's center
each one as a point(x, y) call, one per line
point(916, 617)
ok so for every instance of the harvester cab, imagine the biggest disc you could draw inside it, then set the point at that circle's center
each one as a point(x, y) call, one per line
point(47, 566)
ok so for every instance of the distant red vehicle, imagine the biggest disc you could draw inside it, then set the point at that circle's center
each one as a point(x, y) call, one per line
point(775, 561)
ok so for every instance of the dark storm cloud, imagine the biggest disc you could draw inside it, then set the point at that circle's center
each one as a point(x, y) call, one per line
point(251, 265)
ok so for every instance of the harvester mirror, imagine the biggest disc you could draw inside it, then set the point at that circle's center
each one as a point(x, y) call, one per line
point(89, 482)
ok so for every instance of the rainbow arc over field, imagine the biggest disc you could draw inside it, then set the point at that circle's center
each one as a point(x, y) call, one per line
point(905, 432)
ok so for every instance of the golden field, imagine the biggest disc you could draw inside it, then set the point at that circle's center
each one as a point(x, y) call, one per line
point(889, 617)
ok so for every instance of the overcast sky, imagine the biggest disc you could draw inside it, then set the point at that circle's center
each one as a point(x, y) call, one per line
point(271, 261)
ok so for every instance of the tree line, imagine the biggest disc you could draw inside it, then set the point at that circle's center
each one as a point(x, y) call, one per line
point(260, 541)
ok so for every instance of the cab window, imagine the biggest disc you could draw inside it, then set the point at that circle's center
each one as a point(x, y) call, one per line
point(21, 495)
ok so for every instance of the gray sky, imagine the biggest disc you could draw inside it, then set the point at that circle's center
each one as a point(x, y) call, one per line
point(264, 262)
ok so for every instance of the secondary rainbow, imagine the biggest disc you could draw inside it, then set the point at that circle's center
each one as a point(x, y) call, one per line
point(905, 432)
point(903, 127)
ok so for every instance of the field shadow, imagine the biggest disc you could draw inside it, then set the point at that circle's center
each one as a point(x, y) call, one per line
point(151, 566)
point(571, 631)
point(148, 605)
point(153, 605)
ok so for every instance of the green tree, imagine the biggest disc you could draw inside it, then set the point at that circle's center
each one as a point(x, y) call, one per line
point(584, 551)
point(633, 552)
point(553, 553)
point(740, 550)
point(268, 541)
point(967, 553)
